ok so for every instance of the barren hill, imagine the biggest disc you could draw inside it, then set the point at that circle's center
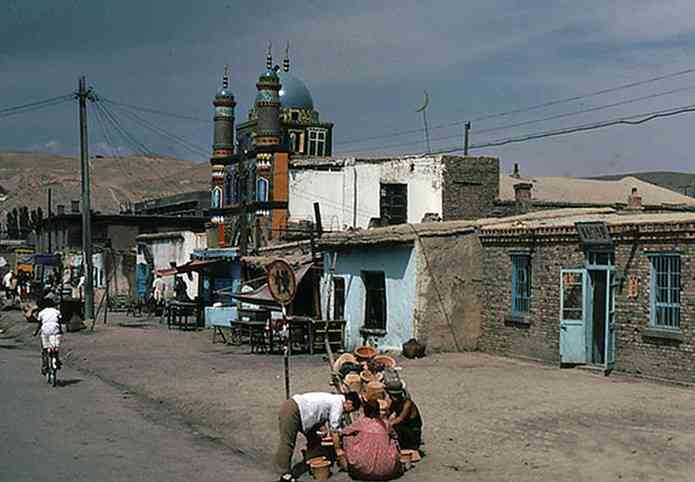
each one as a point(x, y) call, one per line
point(681, 182)
point(25, 177)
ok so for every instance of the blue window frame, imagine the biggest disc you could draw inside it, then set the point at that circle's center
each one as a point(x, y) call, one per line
point(665, 293)
point(521, 283)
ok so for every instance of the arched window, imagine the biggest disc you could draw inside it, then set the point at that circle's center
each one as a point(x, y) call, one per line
point(217, 198)
point(262, 189)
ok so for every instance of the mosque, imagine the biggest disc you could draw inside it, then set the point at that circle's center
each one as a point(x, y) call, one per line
point(250, 176)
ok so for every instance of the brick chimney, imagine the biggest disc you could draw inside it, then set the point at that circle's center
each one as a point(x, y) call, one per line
point(522, 192)
point(74, 206)
point(634, 200)
point(60, 209)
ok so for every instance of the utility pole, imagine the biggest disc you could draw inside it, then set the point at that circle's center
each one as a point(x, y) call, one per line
point(466, 130)
point(83, 94)
point(48, 220)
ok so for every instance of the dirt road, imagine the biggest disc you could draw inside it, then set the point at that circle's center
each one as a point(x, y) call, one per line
point(486, 418)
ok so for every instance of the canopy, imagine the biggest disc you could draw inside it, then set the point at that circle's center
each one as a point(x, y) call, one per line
point(47, 259)
point(261, 296)
point(195, 265)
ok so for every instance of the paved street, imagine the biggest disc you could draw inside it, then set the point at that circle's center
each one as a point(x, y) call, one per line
point(86, 430)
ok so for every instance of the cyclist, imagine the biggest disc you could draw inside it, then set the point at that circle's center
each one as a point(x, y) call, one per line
point(51, 331)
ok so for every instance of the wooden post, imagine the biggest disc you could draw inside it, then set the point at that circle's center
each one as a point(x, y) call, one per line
point(287, 349)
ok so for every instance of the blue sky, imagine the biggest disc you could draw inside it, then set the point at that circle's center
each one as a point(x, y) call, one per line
point(366, 64)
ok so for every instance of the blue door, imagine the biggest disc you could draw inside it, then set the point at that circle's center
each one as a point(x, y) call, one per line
point(573, 289)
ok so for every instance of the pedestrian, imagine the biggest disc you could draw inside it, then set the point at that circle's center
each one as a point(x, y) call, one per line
point(405, 417)
point(306, 414)
point(7, 283)
point(371, 449)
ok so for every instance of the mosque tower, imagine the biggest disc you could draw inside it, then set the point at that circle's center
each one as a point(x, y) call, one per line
point(223, 139)
point(268, 130)
point(222, 148)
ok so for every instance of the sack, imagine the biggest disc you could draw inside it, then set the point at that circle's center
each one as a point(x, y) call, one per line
point(413, 349)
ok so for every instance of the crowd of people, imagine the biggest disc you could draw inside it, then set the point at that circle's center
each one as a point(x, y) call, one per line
point(369, 448)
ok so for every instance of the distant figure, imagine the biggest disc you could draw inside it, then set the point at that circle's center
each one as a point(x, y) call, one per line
point(158, 288)
point(7, 284)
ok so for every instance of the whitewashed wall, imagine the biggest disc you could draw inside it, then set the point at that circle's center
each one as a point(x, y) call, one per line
point(335, 190)
point(176, 248)
point(399, 266)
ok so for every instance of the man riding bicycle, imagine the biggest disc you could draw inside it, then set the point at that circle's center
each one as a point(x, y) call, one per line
point(49, 325)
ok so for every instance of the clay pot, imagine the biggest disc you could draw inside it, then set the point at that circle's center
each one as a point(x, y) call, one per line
point(342, 359)
point(375, 391)
point(364, 353)
point(353, 382)
point(320, 468)
point(385, 360)
point(368, 376)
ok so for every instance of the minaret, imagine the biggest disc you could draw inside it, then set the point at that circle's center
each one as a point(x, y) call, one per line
point(223, 140)
point(268, 130)
point(222, 148)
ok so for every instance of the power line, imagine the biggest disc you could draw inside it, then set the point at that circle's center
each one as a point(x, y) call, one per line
point(581, 128)
point(127, 136)
point(526, 109)
point(32, 108)
point(539, 120)
point(164, 133)
point(36, 103)
point(156, 111)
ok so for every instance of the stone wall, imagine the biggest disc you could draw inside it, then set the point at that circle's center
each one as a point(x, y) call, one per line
point(471, 187)
point(448, 307)
point(537, 336)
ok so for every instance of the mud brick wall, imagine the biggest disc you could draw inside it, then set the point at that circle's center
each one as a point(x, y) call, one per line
point(637, 352)
point(537, 336)
point(448, 305)
point(470, 187)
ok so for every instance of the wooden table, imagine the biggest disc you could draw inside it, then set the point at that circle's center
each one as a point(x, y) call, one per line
point(178, 313)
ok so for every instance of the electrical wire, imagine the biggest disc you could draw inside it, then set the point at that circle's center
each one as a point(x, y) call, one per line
point(525, 109)
point(157, 111)
point(164, 133)
point(36, 103)
point(34, 107)
point(582, 128)
point(579, 128)
point(127, 136)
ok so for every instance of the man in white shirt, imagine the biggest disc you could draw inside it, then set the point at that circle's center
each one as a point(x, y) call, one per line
point(49, 325)
point(7, 284)
point(307, 413)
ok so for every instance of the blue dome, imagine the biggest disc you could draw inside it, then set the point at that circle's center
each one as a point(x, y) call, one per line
point(293, 92)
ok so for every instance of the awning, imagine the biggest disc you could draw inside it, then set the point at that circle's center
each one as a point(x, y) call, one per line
point(47, 259)
point(261, 296)
point(195, 265)
point(262, 262)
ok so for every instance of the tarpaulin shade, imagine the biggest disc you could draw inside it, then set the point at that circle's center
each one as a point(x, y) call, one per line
point(262, 297)
point(47, 259)
point(195, 265)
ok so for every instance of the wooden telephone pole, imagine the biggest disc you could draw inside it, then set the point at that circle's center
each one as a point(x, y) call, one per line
point(83, 94)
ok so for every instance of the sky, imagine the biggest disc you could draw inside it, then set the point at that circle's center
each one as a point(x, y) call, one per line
point(367, 65)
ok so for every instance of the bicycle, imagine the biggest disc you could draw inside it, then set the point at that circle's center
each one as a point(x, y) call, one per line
point(52, 365)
